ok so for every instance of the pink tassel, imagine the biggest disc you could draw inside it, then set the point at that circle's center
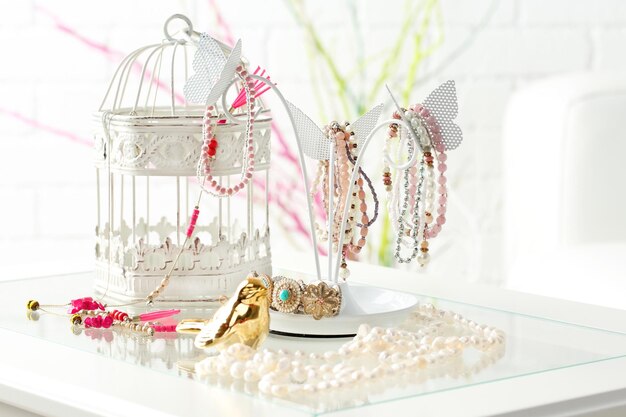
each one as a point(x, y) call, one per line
point(158, 314)
point(241, 98)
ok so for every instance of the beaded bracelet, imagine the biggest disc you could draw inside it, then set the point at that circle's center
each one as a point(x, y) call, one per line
point(418, 199)
point(358, 222)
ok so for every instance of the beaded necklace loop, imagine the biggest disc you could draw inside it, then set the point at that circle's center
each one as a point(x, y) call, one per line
point(418, 193)
point(359, 221)
point(210, 144)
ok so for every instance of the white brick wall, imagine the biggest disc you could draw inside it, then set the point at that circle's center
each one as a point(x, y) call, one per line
point(49, 76)
point(568, 13)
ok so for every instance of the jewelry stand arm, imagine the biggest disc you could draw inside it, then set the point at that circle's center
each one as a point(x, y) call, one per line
point(331, 213)
point(355, 172)
point(302, 167)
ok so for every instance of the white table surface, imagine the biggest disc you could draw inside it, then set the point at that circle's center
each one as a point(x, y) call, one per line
point(54, 380)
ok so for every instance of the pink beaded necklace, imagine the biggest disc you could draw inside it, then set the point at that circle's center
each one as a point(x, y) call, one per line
point(210, 144)
point(437, 142)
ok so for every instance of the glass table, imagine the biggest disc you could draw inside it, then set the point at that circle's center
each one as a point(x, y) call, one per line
point(533, 345)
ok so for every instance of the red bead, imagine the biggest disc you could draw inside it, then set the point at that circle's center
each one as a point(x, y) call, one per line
point(213, 143)
point(211, 152)
point(118, 315)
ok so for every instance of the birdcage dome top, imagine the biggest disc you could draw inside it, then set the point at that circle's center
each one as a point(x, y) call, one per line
point(147, 86)
point(148, 125)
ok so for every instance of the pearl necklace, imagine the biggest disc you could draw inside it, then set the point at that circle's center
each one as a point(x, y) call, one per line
point(430, 339)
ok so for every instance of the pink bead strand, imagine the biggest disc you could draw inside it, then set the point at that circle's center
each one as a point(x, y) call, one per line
point(164, 328)
point(98, 322)
point(210, 143)
point(85, 304)
point(435, 130)
point(192, 222)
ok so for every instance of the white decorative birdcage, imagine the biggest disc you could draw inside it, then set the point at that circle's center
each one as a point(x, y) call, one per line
point(147, 145)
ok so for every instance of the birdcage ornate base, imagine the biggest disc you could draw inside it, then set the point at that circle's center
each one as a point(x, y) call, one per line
point(185, 287)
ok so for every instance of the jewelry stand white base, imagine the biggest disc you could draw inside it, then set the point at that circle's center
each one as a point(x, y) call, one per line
point(360, 304)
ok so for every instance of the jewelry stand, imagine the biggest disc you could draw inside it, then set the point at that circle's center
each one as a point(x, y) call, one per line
point(360, 304)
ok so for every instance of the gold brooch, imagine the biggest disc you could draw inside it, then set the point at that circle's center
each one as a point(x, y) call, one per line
point(286, 295)
point(321, 300)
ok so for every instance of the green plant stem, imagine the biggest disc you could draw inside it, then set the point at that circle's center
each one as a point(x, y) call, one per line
point(420, 52)
point(325, 55)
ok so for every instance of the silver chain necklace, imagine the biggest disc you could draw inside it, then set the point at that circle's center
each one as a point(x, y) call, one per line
point(416, 217)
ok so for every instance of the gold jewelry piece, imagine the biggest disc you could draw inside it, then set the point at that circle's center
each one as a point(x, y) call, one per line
point(191, 326)
point(32, 305)
point(287, 295)
point(76, 319)
point(318, 299)
point(321, 300)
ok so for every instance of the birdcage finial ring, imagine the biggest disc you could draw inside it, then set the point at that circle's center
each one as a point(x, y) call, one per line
point(188, 31)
